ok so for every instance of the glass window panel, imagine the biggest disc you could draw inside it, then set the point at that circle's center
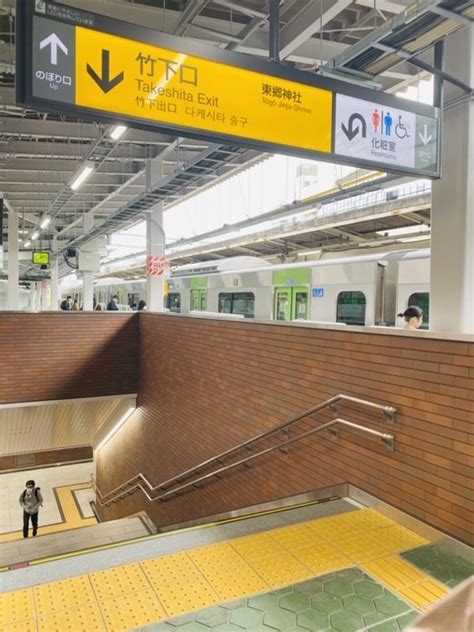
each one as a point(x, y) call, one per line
point(174, 302)
point(225, 303)
point(237, 303)
point(351, 308)
point(301, 304)
point(282, 306)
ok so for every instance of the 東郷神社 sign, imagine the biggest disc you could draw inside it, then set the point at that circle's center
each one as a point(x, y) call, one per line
point(70, 60)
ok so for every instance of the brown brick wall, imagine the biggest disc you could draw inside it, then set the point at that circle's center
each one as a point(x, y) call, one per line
point(49, 457)
point(207, 384)
point(49, 356)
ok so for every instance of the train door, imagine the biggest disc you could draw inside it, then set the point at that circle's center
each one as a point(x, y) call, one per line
point(291, 303)
point(198, 300)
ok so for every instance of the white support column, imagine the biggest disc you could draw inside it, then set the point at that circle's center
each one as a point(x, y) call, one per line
point(452, 215)
point(54, 278)
point(38, 296)
point(88, 277)
point(13, 268)
point(32, 296)
point(155, 247)
point(44, 296)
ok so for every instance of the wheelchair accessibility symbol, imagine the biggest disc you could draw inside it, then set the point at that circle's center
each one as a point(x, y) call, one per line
point(401, 131)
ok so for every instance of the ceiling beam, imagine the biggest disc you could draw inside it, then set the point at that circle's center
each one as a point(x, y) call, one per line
point(308, 22)
point(405, 17)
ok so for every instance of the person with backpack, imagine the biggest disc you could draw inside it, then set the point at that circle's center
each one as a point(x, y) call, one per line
point(31, 500)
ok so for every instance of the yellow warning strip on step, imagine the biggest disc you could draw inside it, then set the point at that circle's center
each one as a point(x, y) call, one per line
point(155, 536)
point(411, 583)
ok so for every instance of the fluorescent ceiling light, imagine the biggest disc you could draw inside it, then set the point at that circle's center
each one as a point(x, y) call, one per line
point(35, 235)
point(117, 427)
point(404, 230)
point(303, 253)
point(406, 240)
point(118, 131)
point(27, 244)
point(82, 177)
point(45, 222)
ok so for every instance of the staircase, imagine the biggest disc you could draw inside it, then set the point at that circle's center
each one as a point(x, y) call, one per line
point(20, 553)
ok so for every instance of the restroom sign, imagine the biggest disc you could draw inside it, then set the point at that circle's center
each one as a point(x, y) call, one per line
point(376, 131)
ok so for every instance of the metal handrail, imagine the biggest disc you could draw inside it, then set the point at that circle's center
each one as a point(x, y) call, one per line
point(128, 486)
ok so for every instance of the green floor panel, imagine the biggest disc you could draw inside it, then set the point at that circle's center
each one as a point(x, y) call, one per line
point(394, 625)
point(444, 566)
point(345, 601)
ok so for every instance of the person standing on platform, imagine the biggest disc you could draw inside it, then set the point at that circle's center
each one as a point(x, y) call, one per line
point(112, 305)
point(413, 316)
point(31, 500)
point(66, 305)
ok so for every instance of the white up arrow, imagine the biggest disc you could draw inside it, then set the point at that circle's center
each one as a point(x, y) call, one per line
point(55, 43)
point(425, 137)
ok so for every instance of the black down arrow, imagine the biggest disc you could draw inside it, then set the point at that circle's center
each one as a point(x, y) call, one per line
point(105, 83)
point(352, 131)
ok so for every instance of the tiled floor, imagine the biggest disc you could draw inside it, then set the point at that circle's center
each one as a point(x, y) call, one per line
point(158, 589)
point(61, 510)
point(441, 564)
point(344, 600)
point(12, 484)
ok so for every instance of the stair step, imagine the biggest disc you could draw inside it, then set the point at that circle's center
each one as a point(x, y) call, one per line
point(19, 552)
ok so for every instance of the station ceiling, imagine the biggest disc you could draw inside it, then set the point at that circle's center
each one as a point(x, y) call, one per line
point(382, 42)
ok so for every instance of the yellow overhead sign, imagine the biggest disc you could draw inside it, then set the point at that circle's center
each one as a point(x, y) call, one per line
point(122, 76)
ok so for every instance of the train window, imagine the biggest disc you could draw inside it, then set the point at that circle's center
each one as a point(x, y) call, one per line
point(237, 303)
point(174, 302)
point(351, 308)
point(133, 299)
point(301, 304)
point(422, 299)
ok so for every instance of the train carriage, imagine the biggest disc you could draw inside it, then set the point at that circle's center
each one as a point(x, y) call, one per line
point(367, 289)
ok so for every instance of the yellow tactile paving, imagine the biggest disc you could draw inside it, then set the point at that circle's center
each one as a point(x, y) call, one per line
point(322, 558)
point(62, 595)
point(256, 546)
point(395, 572)
point(16, 606)
point(229, 574)
point(72, 517)
point(22, 626)
point(424, 594)
point(296, 537)
point(133, 610)
point(282, 569)
point(408, 581)
point(133, 595)
point(179, 584)
point(344, 525)
point(85, 618)
point(118, 581)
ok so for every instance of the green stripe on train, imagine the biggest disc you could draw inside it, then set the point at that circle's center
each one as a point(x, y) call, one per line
point(297, 276)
